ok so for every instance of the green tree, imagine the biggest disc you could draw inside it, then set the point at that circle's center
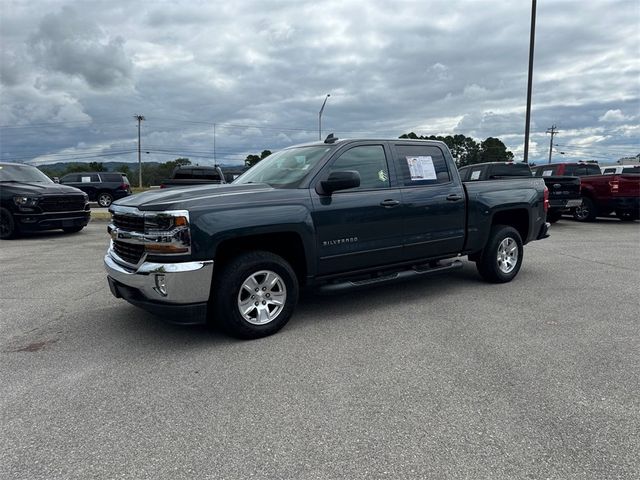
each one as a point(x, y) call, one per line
point(465, 150)
point(251, 160)
point(96, 167)
point(493, 150)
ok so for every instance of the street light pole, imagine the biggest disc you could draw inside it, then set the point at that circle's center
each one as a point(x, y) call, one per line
point(532, 41)
point(139, 118)
point(320, 117)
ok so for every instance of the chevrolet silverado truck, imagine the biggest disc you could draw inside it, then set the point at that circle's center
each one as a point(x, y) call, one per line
point(30, 201)
point(333, 216)
point(187, 175)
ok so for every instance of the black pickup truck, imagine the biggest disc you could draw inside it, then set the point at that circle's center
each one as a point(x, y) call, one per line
point(30, 201)
point(331, 215)
point(564, 192)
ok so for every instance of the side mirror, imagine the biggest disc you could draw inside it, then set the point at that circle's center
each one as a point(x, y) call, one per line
point(340, 181)
point(56, 179)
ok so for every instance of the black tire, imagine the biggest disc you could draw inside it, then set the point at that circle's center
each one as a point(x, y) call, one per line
point(228, 295)
point(72, 229)
point(490, 266)
point(105, 199)
point(585, 212)
point(553, 216)
point(627, 215)
point(8, 227)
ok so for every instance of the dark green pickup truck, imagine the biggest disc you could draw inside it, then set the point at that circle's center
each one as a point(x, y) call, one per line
point(331, 215)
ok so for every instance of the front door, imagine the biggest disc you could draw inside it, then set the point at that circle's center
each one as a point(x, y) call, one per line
point(360, 227)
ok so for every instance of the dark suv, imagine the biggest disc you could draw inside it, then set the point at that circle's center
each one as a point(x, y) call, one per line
point(102, 187)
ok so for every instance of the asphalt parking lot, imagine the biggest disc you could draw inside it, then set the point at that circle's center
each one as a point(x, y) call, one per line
point(446, 377)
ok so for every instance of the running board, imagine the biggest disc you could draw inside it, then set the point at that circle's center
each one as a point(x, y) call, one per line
point(415, 271)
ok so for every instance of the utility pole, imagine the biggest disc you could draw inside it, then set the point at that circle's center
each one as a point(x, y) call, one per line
point(553, 132)
point(320, 117)
point(139, 118)
point(532, 41)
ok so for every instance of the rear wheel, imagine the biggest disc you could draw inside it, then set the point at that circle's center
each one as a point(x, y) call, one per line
point(8, 227)
point(105, 199)
point(501, 257)
point(585, 212)
point(627, 215)
point(254, 295)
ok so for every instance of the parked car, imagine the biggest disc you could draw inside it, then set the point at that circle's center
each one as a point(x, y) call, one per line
point(601, 195)
point(332, 215)
point(31, 201)
point(102, 187)
point(494, 171)
point(618, 169)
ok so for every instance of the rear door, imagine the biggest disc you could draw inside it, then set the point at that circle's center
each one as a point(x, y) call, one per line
point(360, 227)
point(433, 201)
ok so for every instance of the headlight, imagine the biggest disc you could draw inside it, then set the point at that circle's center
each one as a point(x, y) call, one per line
point(23, 201)
point(167, 232)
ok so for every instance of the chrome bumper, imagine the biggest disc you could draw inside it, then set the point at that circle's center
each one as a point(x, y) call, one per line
point(170, 283)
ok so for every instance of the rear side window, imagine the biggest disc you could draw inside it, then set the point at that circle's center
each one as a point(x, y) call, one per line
point(421, 165)
point(475, 174)
point(369, 161)
point(609, 171)
point(89, 177)
point(634, 169)
point(593, 170)
point(510, 170)
point(545, 171)
point(111, 177)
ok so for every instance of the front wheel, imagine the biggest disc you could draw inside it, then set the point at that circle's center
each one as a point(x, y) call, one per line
point(501, 257)
point(254, 295)
point(105, 199)
point(8, 227)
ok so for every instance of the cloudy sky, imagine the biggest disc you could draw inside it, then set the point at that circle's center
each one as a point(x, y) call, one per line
point(73, 74)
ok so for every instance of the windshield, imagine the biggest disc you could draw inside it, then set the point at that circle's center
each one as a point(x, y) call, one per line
point(286, 168)
point(22, 173)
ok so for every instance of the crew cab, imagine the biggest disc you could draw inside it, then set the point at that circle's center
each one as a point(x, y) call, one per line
point(31, 201)
point(600, 194)
point(333, 215)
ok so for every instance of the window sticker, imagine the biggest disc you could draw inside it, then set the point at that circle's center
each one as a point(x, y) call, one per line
point(421, 168)
point(382, 176)
point(475, 175)
point(86, 179)
point(547, 173)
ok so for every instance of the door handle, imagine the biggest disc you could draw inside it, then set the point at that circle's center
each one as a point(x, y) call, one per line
point(454, 197)
point(389, 203)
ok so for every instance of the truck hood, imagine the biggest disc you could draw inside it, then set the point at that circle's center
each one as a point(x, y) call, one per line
point(36, 189)
point(176, 198)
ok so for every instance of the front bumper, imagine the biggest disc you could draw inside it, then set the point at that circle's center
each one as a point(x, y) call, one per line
point(179, 291)
point(31, 222)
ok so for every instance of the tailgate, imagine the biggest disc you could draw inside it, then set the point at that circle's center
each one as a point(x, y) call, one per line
point(563, 188)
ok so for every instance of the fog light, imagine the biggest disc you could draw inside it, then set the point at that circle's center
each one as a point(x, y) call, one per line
point(161, 286)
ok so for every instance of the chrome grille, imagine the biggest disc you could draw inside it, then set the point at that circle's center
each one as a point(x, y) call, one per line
point(129, 252)
point(62, 203)
point(132, 223)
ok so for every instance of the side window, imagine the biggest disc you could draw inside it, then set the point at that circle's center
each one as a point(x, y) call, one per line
point(464, 173)
point(369, 161)
point(546, 172)
point(421, 165)
point(609, 171)
point(72, 177)
point(111, 177)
